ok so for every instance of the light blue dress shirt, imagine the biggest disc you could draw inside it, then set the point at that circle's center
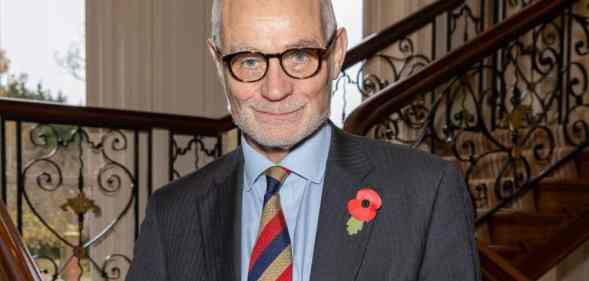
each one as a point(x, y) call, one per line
point(300, 197)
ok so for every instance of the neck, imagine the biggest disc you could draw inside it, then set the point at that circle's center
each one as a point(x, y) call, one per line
point(274, 154)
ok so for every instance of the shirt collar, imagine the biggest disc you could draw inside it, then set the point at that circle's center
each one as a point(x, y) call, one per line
point(307, 160)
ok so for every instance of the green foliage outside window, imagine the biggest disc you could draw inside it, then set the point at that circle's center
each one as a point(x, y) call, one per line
point(16, 86)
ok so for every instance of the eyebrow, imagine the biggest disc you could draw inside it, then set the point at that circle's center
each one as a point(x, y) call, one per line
point(303, 43)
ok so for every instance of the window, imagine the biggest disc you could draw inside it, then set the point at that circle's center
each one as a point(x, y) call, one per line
point(349, 14)
point(44, 42)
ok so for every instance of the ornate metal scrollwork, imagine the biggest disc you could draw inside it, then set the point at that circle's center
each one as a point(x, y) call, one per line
point(504, 119)
point(111, 267)
point(200, 146)
point(68, 149)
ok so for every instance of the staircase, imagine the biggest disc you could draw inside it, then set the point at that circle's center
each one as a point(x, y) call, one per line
point(508, 107)
point(501, 90)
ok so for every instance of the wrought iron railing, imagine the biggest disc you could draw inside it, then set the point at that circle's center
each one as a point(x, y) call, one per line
point(510, 106)
point(76, 179)
point(403, 49)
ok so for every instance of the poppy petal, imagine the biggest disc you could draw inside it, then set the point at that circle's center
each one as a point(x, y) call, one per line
point(360, 213)
point(371, 195)
point(365, 214)
point(354, 205)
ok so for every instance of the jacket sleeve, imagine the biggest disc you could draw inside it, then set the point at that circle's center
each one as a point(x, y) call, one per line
point(149, 262)
point(450, 250)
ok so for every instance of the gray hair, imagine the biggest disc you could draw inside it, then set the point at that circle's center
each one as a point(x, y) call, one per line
point(328, 22)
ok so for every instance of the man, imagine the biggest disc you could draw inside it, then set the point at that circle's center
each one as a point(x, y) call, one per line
point(301, 200)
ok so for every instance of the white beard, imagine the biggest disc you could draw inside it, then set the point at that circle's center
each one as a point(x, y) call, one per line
point(247, 123)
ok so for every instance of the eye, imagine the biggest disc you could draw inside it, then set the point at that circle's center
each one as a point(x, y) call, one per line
point(299, 56)
point(250, 62)
point(247, 61)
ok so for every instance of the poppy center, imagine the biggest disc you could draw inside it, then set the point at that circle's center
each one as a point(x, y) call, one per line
point(365, 203)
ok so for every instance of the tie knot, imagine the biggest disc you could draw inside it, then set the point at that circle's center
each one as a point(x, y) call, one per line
point(278, 173)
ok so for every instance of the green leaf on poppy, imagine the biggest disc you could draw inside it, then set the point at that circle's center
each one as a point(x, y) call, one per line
point(354, 226)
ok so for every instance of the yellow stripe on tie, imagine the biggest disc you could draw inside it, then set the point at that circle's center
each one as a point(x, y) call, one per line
point(277, 172)
point(277, 266)
point(271, 209)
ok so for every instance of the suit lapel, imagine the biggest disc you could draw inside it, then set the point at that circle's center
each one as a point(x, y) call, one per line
point(337, 255)
point(220, 222)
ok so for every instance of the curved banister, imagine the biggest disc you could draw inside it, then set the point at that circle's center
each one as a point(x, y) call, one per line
point(378, 41)
point(43, 112)
point(395, 96)
point(16, 264)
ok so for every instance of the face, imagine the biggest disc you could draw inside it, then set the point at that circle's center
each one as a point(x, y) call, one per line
point(278, 111)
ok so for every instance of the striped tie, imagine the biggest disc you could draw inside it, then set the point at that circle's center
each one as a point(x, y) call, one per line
point(271, 258)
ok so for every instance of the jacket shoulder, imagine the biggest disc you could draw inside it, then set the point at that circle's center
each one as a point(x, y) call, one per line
point(400, 168)
point(392, 155)
point(198, 182)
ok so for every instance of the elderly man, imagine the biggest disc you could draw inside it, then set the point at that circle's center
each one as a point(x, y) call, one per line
point(301, 200)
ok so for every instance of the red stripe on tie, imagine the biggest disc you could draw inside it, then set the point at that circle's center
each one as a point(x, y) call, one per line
point(286, 275)
point(273, 228)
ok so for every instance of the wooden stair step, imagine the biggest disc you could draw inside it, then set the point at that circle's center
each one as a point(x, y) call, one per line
point(542, 259)
point(509, 252)
point(496, 268)
point(523, 228)
point(562, 197)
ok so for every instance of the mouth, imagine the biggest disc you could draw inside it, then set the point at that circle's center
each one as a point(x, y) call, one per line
point(278, 117)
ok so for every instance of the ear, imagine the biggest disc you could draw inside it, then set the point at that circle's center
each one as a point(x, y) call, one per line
point(339, 52)
point(220, 72)
point(216, 58)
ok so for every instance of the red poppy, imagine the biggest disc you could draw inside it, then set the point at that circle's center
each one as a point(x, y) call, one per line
point(365, 205)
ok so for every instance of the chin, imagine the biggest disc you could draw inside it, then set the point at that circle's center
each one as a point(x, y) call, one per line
point(279, 136)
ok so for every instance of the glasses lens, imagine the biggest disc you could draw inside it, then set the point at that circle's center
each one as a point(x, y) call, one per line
point(248, 66)
point(301, 63)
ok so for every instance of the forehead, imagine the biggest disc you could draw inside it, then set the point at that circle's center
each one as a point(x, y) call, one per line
point(270, 24)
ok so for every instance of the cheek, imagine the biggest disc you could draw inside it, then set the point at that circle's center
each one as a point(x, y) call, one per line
point(316, 91)
point(240, 93)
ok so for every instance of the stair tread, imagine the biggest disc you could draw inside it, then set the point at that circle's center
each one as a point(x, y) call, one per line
point(578, 185)
point(505, 247)
point(538, 261)
point(525, 218)
point(569, 197)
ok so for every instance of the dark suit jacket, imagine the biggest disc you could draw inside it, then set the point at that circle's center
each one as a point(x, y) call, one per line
point(423, 231)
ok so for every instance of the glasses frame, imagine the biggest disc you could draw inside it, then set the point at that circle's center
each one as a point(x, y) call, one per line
point(322, 53)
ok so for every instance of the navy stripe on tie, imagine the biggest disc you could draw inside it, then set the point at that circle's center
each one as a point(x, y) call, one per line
point(273, 186)
point(273, 250)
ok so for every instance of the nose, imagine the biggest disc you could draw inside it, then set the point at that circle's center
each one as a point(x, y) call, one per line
point(277, 85)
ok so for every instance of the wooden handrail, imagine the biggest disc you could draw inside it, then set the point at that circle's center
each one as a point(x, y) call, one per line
point(15, 261)
point(378, 41)
point(395, 96)
point(51, 113)
point(498, 268)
